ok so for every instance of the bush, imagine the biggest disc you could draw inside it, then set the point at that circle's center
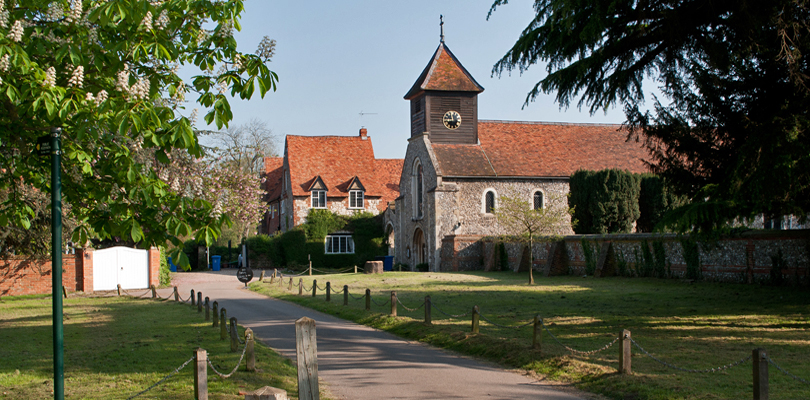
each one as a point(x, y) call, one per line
point(604, 201)
point(423, 267)
point(654, 201)
point(165, 276)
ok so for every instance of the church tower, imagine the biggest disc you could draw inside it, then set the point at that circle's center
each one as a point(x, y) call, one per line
point(444, 101)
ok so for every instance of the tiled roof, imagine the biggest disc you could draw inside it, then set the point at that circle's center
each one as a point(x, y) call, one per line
point(524, 149)
point(444, 72)
point(337, 160)
point(273, 177)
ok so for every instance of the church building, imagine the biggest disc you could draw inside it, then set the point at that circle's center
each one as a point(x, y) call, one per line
point(456, 166)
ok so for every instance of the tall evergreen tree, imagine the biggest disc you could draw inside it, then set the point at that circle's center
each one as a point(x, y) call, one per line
point(733, 132)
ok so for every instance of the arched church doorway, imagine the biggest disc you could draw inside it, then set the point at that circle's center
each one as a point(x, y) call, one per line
point(419, 247)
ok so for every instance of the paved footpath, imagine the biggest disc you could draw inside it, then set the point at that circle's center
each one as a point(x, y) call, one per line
point(357, 362)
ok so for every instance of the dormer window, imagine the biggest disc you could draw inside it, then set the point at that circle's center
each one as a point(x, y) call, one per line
point(356, 199)
point(318, 199)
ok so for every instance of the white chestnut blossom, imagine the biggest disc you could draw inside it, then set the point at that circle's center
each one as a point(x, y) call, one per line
point(16, 32)
point(50, 77)
point(75, 14)
point(4, 61)
point(55, 12)
point(140, 89)
point(77, 78)
point(267, 48)
point(193, 117)
point(226, 29)
point(146, 23)
point(101, 97)
point(3, 17)
point(122, 83)
point(163, 20)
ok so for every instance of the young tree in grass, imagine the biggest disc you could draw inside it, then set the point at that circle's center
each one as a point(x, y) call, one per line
point(516, 216)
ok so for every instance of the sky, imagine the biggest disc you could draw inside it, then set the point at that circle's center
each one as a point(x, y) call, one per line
point(338, 59)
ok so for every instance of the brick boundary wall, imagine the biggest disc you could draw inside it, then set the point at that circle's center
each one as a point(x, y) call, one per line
point(27, 275)
point(745, 258)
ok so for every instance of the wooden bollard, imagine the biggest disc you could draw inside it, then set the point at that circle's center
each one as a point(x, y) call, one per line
point(314, 286)
point(355, 269)
point(280, 279)
point(393, 303)
point(475, 317)
point(328, 291)
point(223, 316)
point(760, 359)
point(119, 289)
point(176, 294)
point(201, 374)
point(310, 268)
point(368, 299)
point(154, 291)
point(199, 301)
point(250, 354)
point(275, 272)
point(192, 298)
point(345, 295)
point(290, 287)
point(216, 314)
point(272, 278)
point(207, 309)
point(300, 286)
point(428, 306)
point(306, 352)
point(261, 277)
point(625, 354)
point(234, 335)
point(537, 340)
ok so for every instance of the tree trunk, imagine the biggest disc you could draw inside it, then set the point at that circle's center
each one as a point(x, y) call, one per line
point(531, 260)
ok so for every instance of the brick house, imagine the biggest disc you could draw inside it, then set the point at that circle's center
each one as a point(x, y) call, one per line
point(456, 166)
point(338, 173)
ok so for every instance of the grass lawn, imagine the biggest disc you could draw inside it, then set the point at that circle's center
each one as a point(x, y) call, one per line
point(116, 347)
point(691, 325)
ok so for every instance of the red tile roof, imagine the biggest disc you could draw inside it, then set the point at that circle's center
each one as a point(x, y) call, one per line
point(338, 159)
point(444, 72)
point(509, 148)
point(273, 177)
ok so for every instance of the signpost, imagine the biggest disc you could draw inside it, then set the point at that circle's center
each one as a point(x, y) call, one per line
point(49, 145)
point(244, 275)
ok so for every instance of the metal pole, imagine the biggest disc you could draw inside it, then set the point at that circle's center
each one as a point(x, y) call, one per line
point(56, 266)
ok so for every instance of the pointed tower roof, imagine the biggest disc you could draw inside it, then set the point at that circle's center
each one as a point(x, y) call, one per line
point(444, 73)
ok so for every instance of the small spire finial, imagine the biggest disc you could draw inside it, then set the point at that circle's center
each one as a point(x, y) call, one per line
point(441, 28)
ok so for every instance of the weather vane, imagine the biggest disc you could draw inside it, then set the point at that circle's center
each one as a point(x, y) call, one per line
point(441, 27)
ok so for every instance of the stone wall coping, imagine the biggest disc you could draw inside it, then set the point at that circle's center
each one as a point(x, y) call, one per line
point(752, 234)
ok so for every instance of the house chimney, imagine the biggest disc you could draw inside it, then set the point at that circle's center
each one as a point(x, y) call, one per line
point(363, 133)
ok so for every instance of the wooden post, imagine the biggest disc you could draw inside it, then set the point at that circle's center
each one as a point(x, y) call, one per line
point(64, 292)
point(234, 335)
point(300, 286)
point(428, 306)
point(306, 352)
point(290, 287)
point(223, 317)
point(119, 289)
point(192, 298)
point(216, 315)
point(272, 277)
point(355, 269)
point(154, 291)
point(314, 286)
point(537, 339)
point(310, 267)
point(250, 354)
point(760, 359)
point(345, 295)
point(280, 279)
point(199, 301)
point(475, 318)
point(207, 309)
point(201, 375)
point(328, 291)
point(176, 294)
point(393, 303)
point(625, 354)
point(275, 272)
point(261, 276)
point(368, 299)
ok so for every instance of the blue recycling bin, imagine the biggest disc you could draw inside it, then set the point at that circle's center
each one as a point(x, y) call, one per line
point(172, 267)
point(388, 262)
point(215, 262)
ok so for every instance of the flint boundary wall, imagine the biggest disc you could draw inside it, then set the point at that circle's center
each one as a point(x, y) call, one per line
point(28, 275)
point(746, 258)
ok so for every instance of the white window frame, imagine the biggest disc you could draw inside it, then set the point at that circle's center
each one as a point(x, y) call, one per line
point(356, 196)
point(344, 244)
point(484, 201)
point(316, 194)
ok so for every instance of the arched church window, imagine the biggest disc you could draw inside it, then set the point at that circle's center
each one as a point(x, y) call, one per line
point(417, 189)
point(489, 202)
point(538, 200)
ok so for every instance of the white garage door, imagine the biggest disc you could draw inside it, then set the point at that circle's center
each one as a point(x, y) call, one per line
point(120, 265)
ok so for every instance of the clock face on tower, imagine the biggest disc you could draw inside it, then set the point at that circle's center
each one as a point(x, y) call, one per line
point(451, 119)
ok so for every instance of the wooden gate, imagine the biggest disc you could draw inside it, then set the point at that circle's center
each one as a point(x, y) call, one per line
point(120, 265)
